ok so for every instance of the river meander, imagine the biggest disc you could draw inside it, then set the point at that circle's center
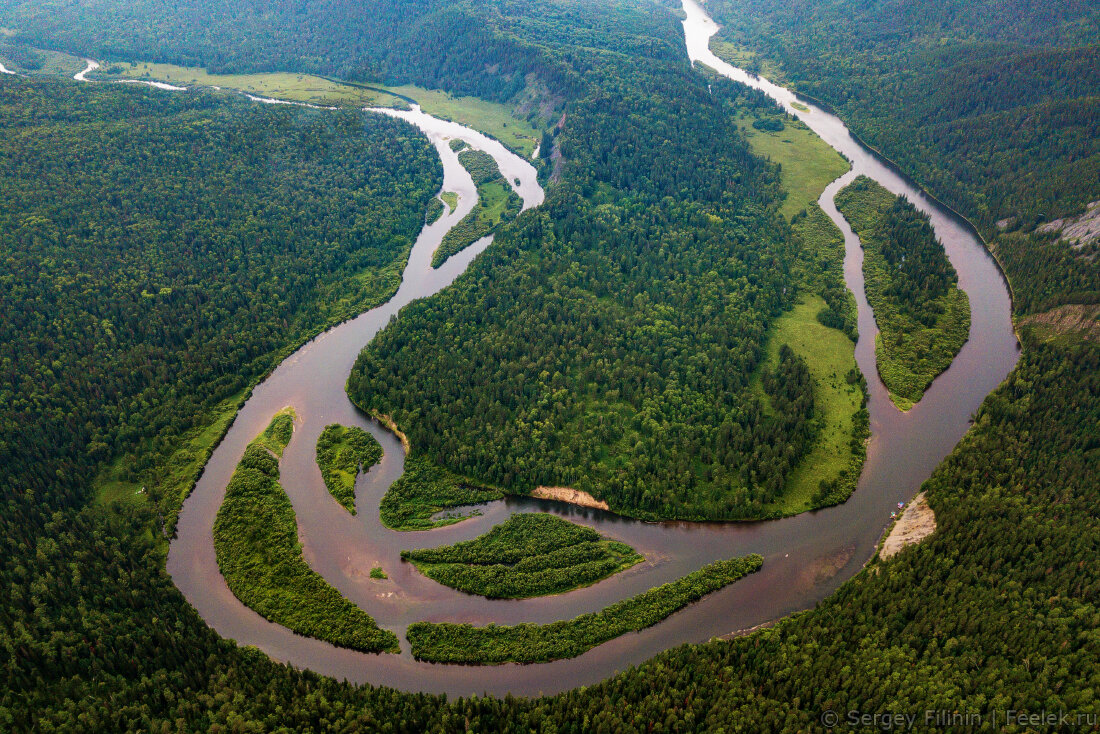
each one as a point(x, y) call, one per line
point(806, 557)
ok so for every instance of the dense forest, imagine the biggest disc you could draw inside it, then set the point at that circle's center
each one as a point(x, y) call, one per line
point(606, 341)
point(527, 555)
point(998, 609)
point(922, 316)
point(160, 251)
point(993, 107)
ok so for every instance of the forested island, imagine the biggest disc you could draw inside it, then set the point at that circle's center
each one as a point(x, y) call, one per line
point(922, 316)
point(638, 336)
point(527, 555)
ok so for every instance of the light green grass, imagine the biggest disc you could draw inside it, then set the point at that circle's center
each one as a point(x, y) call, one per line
point(808, 163)
point(55, 63)
point(491, 118)
point(747, 59)
point(830, 356)
point(277, 85)
point(800, 107)
point(450, 198)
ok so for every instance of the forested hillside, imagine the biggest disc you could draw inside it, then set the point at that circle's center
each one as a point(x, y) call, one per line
point(161, 250)
point(606, 341)
point(993, 107)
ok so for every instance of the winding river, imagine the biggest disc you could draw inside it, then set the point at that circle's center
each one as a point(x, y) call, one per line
point(806, 557)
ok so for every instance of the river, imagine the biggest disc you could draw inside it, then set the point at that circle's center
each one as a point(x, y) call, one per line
point(806, 557)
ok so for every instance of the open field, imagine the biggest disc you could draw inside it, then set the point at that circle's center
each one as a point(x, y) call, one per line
point(830, 356)
point(808, 163)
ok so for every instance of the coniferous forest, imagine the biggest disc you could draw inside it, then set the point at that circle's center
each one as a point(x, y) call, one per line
point(161, 253)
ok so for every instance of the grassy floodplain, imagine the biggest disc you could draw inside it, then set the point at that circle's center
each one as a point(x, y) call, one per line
point(491, 118)
point(533, 643)
point(829, 471)
point(807, 163)
point(922, 316)
point(256, 541)
point(277, 85)
point(821, 328)
point(342, 452)
point(527, 555)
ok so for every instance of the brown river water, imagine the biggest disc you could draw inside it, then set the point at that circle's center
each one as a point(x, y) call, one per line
point(806, 557)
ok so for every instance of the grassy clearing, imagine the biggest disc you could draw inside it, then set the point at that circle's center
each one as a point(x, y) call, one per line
point(747, 59)
point(277, 85)
point(424, 490)
point(490, 118)
point(922, 316)
point(834, 462)
point(528, 555)
point(40, 62)
point(180, 472)
point(532, 643)
point(450, 198)
point(342, 452)
point(808, 164)
point(256, 542)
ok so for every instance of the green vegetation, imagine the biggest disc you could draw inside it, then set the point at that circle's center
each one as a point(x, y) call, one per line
point(436, 209)
point(39, 62)
point(744, 58)
point(968, 98)
point(256, 541)
point(182, 244)
point(492, 118)
point(277, 85)
point(993, 107)
point(450, 198)
point(377, 573)
point(497, 202)
point(922, 316)
point(827, 474)
point(532, 643)
point(527, 555)
point(342, 452)
point(424, 490)
point(807, 163)
point(607, 343)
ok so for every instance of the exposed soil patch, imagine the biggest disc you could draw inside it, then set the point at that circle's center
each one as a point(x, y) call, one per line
point(570, 495)
point(916, 523)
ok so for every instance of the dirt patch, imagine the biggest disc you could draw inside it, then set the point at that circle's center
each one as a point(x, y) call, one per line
point(916, 523)
point(389, 423)
point(1074, 317)
point(570, 495)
